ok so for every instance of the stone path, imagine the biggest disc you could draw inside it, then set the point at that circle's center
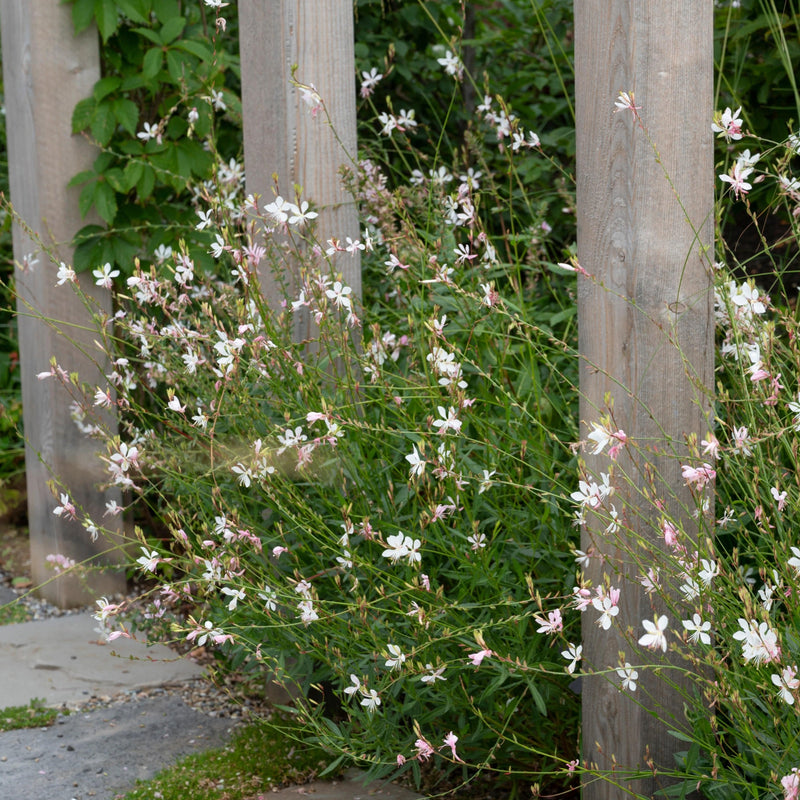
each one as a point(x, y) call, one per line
point(100, 754)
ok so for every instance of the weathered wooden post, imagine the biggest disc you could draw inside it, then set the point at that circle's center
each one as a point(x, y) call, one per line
point(653, 257)
point(281, 135)
point(47, 70)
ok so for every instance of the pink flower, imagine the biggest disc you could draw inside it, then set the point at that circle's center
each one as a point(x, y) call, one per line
point(553, 623)
point(791, 785)
point(698, 476)
point(278, 551)
point(477, 658)
point(401, 759)
point(424, 749)
point(450, 741)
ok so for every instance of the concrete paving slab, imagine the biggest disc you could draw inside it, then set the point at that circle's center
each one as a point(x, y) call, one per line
point(101, 754)
point(351, 787)
point(65, 660)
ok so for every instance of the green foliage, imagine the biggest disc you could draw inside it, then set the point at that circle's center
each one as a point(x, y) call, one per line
point(166, 87)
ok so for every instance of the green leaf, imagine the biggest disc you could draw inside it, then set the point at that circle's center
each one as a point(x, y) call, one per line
point(116, 179)
point(105, 86)
point(124, 251)
point(149, 33)
point(82, 14)
point(133, 173)
point(134, 10)
point(82, 177)
point(105, 14)
point(105, 201)
point(145, 184)
point(151, 65)
point(166, 9)
point(172, 29)
point(83, 113)
point(88, 243)
point(176, 66)
point(199, 49)
point(86, 198)
point(127, 114)
point(103, 124)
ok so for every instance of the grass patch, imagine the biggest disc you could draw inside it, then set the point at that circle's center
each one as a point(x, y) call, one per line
point(14, 612)
point(256, 760)
point(33, 715)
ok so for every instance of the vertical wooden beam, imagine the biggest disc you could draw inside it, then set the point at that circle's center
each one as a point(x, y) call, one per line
point(634, 237)
point(47, 70)
point(281, 136)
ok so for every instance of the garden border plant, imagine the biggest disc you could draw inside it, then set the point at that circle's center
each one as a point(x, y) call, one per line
point(384, 512)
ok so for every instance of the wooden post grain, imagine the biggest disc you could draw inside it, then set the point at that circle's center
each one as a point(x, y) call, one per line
point(47, 70)
point(652, 255)
point(281, 135)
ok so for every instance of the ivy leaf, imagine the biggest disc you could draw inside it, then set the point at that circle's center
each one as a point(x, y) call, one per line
point(105, 13)
point(83, 113)
point(150, 34)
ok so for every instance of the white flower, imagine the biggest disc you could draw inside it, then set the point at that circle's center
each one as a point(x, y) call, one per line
point(370, 701)
point(449, 420)
point(397, 547)
point(149, 561)
point(65, 274)
point(759, 641)
point(235, 594)
point(355, 687)
point(452, 64)
point(269, 596)
point(655, 638)
point(786, 682)
point(105, 275)
point(629, 676)
point(698, 630)
point(417, 463)
point(433, 674)
point(396, 657)
point(573, 654)
point(307, 612)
